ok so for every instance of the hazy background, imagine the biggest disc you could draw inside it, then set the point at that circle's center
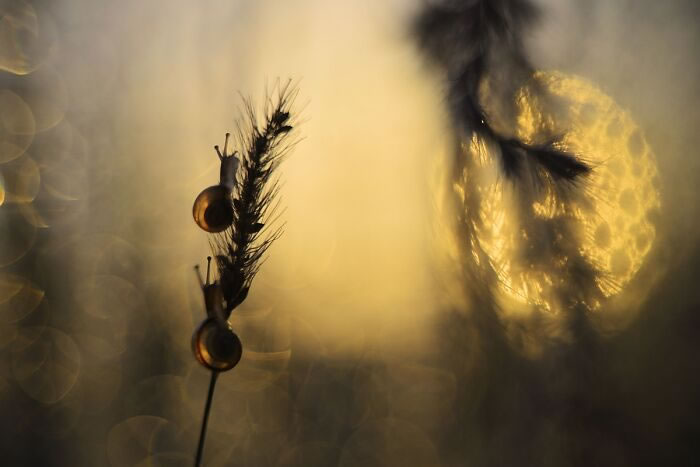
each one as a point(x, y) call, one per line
point(356, 350)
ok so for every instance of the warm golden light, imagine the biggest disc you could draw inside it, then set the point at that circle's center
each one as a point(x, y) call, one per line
point(19, 28)
point(607, 215)
point(17, 126)
point(18, 298)
point(399, 320)
point(22, 180)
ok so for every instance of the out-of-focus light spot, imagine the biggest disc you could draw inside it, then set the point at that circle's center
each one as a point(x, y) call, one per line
point(22, 334)
point(621, 186)
point(107, 295)
point(48, 367)
point(99, 349)
point(67, 182)
point(18, 298)
point(164, 396)
point(16, 233)
point(611, 210)
point(32, 216)
point(19, 30)
point(63, 144)
point(22, 180)
point(137, 439)
point(117, 304)
point(17, 126)
point(27, 37)
point(45, 93)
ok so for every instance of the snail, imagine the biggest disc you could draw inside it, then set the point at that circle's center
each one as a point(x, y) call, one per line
point(214, 344)
point(213, 207)
point(215, 347)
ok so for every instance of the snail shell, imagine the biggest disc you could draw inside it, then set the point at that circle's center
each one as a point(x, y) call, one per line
point(213, 207)
point(216, 347)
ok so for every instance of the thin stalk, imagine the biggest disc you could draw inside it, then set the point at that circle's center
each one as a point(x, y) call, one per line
point(205, 418)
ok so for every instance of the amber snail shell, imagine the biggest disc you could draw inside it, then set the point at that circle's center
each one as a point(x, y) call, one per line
point(216, 347)
point(213, 208)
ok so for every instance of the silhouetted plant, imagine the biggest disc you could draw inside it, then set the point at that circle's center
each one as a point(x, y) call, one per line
point(264, 140)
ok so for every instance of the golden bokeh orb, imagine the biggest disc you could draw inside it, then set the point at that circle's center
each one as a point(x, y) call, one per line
point(607, 216)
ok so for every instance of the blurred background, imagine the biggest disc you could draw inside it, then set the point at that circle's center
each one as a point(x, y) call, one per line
point(362, 345)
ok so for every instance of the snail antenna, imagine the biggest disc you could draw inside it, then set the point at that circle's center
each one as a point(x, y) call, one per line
point(226, 143)
point(208, 268)
point(219, 152)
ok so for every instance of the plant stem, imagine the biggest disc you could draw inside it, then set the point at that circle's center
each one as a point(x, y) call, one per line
point(207, 407)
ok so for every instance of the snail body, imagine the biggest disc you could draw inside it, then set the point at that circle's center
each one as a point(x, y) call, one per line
point(213, 208)
point(214, 344)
